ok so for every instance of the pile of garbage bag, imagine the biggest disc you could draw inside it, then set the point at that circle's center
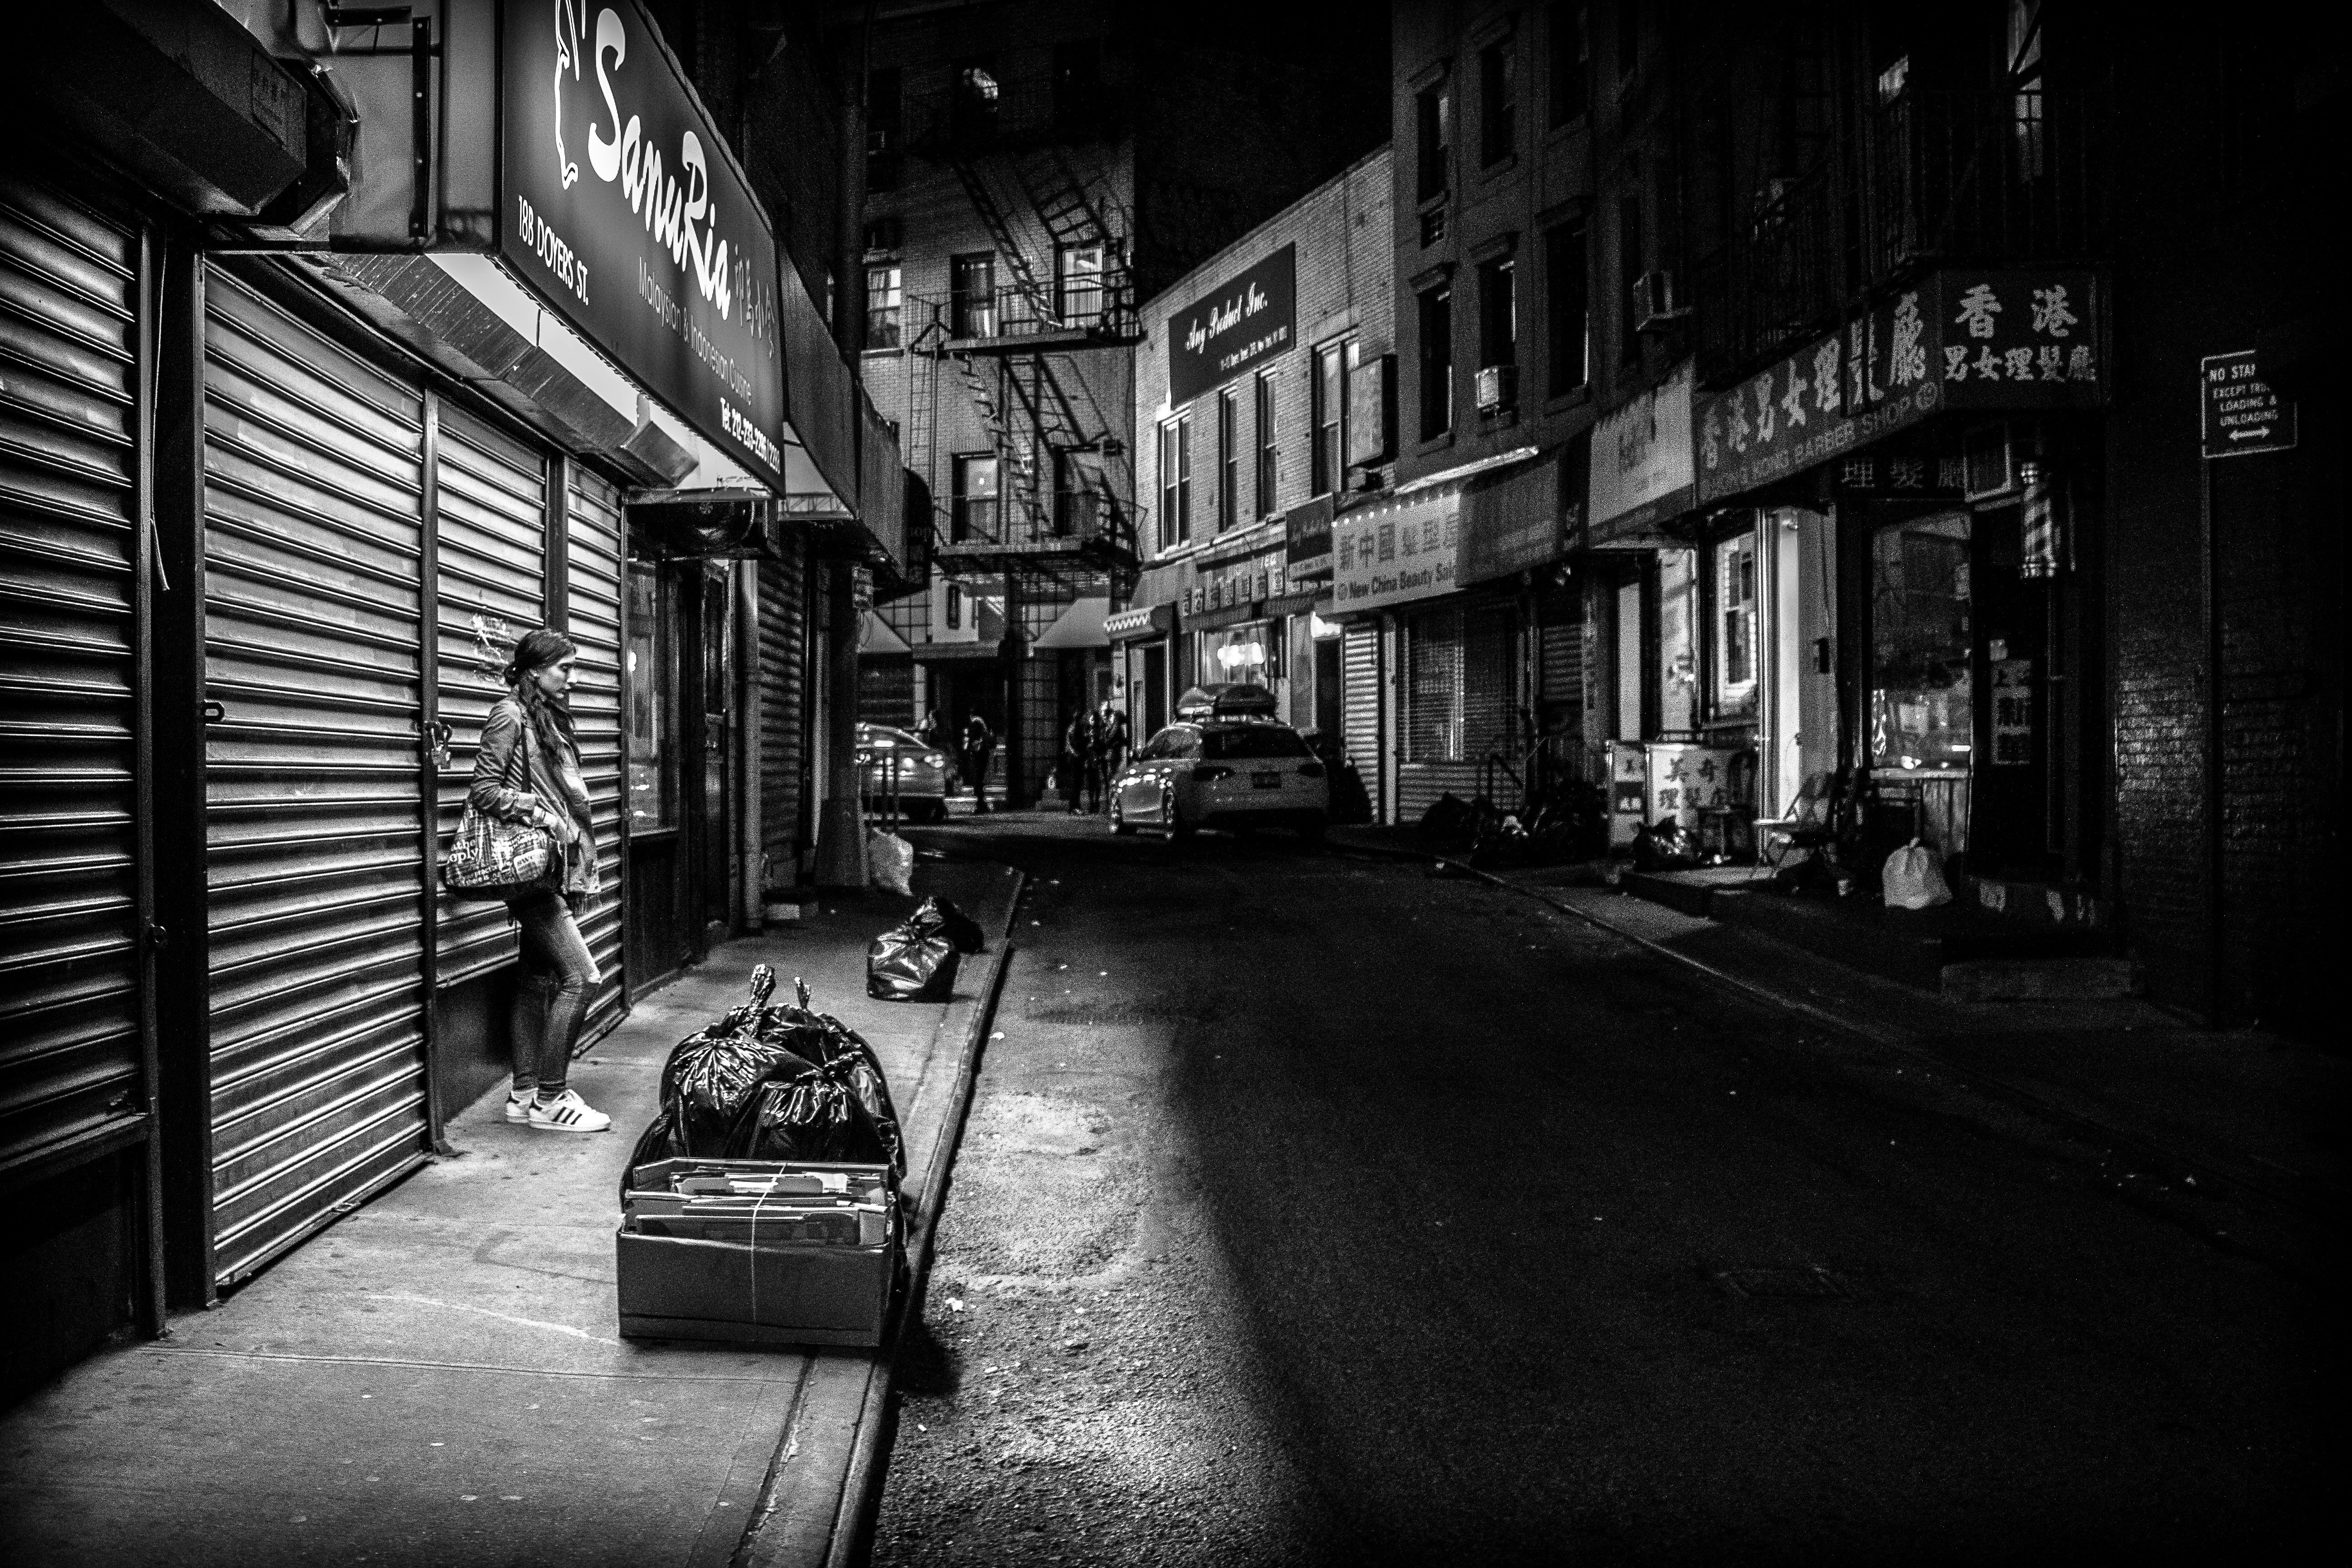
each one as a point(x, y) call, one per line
point(773, 1082)
point(915, 960)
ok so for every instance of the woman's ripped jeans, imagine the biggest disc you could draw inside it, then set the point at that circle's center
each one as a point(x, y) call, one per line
point(558, 976)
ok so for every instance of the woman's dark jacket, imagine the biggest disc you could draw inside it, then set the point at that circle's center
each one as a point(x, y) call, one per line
point(512, 772)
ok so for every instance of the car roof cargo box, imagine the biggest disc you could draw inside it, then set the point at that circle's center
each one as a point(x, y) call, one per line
point(1235, 701)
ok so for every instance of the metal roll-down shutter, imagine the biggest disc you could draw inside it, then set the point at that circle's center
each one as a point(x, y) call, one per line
point(491, 587)
point(314, 781)
point(1360, 685)
point(594, 572)
point(783, 642)
point(72, 683)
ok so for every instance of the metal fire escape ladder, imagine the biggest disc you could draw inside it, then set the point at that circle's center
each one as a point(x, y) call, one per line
point(922, 411)
point(1071, 215)
point(993, 218)
point(1018, 480)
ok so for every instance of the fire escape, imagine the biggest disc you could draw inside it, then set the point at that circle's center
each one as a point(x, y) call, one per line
point(1057, 514)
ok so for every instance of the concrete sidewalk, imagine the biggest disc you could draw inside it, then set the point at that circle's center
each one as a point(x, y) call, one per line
point(2259, 1113)
point(437, 1379)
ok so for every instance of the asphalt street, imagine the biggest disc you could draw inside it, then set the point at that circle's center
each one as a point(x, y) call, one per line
point(1317, 1209)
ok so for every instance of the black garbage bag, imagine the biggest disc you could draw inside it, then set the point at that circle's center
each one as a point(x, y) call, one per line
point(1446, 824)
point(953, 923)
point(813, 1117)
point(711, 1076)
point(911, 962)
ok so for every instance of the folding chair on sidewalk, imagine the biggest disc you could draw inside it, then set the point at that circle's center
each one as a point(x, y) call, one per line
point(1811, 824)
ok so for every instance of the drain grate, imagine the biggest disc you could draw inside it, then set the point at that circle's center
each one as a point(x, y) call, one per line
point(1786, 1283)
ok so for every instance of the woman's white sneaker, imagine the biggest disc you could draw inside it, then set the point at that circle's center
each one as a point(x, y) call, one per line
point(519, 1107)
point(568, 1113)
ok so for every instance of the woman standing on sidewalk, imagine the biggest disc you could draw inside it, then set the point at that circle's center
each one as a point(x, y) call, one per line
point(528, 770)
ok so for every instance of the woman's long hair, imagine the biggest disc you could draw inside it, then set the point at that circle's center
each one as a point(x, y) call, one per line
point(551, 717)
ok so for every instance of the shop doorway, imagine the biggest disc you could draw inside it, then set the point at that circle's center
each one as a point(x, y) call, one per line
point(2011, 832)
point(959, 691)
point(1155, 691)
point(657, 808)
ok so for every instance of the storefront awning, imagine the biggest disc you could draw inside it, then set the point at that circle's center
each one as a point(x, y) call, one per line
point(1642, 473)
point(1080, 627)
point(1406, 546)
point(1141, 624)
point(957, 652)
point(715, 524)
point(875, 636)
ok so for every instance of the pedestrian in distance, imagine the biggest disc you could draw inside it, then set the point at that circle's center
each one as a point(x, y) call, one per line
point(928, 732)
point(978, 745)
point(528, 771)
point(1079, 744)
point(1111, 723)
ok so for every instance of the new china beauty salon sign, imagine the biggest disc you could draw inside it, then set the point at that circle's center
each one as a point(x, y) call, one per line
point(1251, 318)
point(622, 207)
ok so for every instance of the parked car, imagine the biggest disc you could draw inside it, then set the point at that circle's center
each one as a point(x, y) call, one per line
point(1238, 774)
point(922, 772)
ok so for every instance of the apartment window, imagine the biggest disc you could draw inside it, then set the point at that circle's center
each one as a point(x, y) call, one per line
point(1629, 37)
point(973, 114)
point(1436, 313)
point(885, 123)
point(976, 514)
point(1329, 418)
point(1569, 310)
point(1433, 117)
point(1498, 314)
point(1269, 455)
point(972, 301)
point(1629, 269)
point(1572, 63)
point(883, 307)
point(1176, 483)
point(1229, 458)
point(1497, 102)
point(955, 608)
point(1078, 283)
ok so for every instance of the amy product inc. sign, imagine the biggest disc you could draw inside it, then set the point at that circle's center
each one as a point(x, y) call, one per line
point(1249, 318)
point(621, 209)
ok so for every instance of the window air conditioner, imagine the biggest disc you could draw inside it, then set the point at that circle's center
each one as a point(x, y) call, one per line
point(1498, 388)
point(1653, 301)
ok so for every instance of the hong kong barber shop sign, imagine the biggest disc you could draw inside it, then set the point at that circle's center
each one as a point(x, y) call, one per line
point(621, 209)
point(2009, 340)
point(1249, 318)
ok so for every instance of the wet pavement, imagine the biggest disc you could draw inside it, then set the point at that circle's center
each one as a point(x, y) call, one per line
point(1317, 1209)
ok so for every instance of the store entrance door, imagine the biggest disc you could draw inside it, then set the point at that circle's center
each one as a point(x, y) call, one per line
point(657, 947)
point(2011, 834)
point(713, 819)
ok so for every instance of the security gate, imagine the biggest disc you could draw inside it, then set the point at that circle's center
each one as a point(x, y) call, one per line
point(592, 596)
point(74, 568)
point(315, 810)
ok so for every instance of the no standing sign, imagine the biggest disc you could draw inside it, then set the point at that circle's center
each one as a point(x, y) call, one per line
point(2242, 414)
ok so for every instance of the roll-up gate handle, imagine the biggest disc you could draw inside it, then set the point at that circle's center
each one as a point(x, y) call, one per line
point(213, 714)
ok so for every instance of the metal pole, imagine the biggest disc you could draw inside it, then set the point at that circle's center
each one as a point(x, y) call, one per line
point(2216, 916)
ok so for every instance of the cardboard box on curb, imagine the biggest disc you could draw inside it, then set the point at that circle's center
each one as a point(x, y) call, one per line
point(820, 1252)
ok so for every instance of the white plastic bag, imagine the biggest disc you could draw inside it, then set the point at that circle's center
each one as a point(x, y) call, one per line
point(893, 859)
point(1913, 880)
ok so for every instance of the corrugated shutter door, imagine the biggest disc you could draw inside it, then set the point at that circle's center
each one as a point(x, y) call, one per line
point(70, 684)
point(1360, 688)
point(491, 589)
point(1489, 687)
point(1559, 615)
point(314, 785)
point(783, 638)
point(594, 572)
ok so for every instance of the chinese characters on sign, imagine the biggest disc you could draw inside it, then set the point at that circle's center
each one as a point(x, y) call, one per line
point(2020, 340)
point(1397, 550)
point(2012, 712)
point(2242, 414)
point(1641, 472)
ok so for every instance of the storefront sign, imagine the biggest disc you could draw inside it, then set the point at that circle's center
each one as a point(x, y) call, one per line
point(2242, 414)
point(1251, 318)
point(1398, 550)
point(2008, 340)
point(1642, 472)
point(2012, 712)
point(622, 209)
point(1510, 523)
point(1309, 530)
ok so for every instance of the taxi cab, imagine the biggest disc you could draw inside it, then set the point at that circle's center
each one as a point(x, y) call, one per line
point(1224, 763)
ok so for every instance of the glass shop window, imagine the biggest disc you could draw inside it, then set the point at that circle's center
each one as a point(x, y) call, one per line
point(652, 684)
point(1735, 643)
point(1678, 641)
point(1922, 694)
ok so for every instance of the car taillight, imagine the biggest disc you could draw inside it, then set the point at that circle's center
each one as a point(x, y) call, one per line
point(1210, 773)
point(1310, 770)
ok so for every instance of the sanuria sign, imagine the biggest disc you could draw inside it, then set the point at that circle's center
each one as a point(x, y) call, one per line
point(622, 209)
